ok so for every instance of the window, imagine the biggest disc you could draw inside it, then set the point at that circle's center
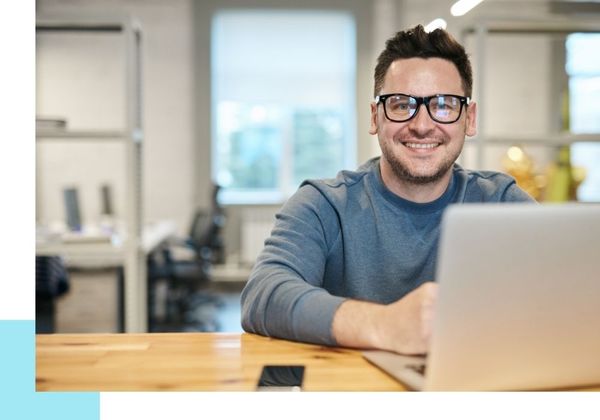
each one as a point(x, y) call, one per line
point(583, 69)
point(283, 89)
point(587, 156)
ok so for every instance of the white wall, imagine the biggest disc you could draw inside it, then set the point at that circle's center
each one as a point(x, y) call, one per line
point(80, 77)
point(518, 93)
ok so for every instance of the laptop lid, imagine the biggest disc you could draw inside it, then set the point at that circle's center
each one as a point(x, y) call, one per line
point(519, 300)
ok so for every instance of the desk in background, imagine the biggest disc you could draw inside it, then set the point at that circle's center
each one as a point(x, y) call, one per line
point(193, 362)
point(102, 252)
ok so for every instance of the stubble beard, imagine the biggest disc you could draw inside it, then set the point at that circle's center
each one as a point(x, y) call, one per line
point(404, 173)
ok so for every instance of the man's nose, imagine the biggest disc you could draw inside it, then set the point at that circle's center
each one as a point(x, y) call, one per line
point(421, 122)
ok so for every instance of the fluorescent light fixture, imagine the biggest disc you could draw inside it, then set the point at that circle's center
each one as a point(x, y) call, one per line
point(438, 23)
point(461, 7)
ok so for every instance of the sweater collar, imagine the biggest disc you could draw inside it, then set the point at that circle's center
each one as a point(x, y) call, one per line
point(430, 207)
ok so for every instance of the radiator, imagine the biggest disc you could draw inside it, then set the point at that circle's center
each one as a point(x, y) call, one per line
point(256, 227)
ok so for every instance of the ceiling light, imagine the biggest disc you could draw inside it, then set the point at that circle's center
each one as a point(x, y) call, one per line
point(463, 6)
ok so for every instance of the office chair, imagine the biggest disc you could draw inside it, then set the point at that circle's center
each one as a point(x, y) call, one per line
point(51, 281)
point(189, 306)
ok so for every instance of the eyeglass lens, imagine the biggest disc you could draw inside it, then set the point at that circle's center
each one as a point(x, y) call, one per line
point(443, 108)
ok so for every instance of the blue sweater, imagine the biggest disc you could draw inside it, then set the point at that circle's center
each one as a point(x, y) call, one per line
point(350, 237)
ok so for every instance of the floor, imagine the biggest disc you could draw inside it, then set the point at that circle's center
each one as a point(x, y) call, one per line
point(85, 310)
point(216, 309)
point(228, 316)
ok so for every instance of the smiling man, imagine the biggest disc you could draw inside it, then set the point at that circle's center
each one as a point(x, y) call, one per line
point(351, 260)
point(420, 148)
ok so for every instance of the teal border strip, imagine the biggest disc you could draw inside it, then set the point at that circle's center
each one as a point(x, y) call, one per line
point(18, 397)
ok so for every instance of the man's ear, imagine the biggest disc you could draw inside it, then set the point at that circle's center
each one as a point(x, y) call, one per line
point(373, 126)
point(471, 123)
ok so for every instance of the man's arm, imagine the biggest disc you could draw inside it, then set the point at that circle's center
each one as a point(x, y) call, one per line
point(403, 326)
point(284, 296)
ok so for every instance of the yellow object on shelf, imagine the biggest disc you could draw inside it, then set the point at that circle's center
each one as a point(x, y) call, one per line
point(521, 166)
point(563, 179)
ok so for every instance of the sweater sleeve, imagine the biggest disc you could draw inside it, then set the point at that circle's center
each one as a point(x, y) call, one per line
point(284, 296)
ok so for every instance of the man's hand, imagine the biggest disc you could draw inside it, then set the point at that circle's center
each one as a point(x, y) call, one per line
point(407, 326)
point(403, 326)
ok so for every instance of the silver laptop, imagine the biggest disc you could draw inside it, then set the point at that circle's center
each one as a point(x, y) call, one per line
point(519, 301)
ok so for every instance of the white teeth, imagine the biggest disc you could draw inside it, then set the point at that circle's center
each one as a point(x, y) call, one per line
point(421, 145)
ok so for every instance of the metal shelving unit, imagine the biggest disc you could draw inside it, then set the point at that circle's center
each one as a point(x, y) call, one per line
point(482, 31)
point(80, 135)
point(132, 137)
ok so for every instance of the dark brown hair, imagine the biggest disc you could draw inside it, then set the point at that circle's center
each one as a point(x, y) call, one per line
point(417, 43)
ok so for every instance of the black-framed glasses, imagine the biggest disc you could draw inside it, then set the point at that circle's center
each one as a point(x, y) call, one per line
point(442, 108)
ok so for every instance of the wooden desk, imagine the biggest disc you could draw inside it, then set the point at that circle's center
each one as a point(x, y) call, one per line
point(193, 362)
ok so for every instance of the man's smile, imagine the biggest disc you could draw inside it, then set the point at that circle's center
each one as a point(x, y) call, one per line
point(420, 145)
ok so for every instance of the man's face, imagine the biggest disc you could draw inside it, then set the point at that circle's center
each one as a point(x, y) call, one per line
point(403, 144)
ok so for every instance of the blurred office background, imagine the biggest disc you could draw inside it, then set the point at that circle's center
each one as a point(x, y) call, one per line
point(239, 101)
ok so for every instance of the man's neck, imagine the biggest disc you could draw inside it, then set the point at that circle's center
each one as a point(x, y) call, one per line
point(417, 193)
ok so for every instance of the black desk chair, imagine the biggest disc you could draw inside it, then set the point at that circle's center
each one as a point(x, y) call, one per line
point(189, 306)
point(51, 281)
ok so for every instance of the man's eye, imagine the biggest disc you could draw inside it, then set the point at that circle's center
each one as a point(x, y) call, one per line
point(445, 107)
point(446, 104)
point(400, 106)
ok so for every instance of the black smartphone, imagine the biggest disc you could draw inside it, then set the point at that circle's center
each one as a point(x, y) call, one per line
point(281, 378)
